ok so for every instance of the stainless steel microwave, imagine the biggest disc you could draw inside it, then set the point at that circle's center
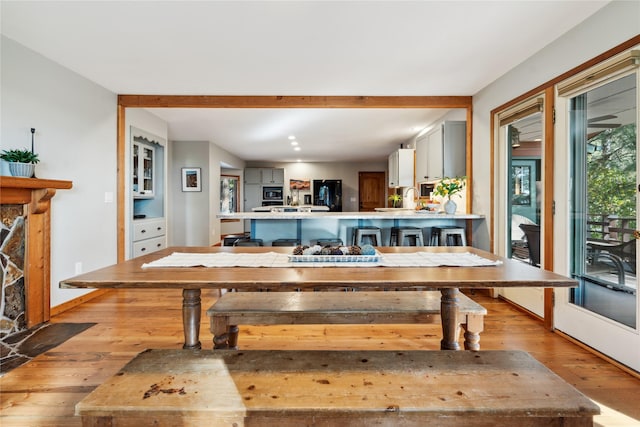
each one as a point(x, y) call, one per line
point(426, 189)
point(271, 193)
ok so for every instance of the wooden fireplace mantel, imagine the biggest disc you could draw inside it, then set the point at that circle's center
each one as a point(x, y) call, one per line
point(36, 195)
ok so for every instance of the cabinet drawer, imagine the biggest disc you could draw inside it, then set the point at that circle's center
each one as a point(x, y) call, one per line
point(148, 246)
point(148, 229)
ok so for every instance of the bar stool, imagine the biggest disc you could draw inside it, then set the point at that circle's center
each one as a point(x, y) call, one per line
point(285, 242)
point(399, 234)
point(328, 242)
point(248, 242)
point(448, 236)
point(230, 238)
point(373, 234)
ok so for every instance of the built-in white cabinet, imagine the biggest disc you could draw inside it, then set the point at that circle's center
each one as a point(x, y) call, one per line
point(147, 176)
point(401, 168)
point(148, 236)
point(252, 196)
point(442, 152)
point(263, 185)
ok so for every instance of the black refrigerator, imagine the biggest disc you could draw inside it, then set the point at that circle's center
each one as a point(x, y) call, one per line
point(328, 192)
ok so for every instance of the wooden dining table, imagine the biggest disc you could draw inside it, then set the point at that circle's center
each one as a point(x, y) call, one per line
point(449, 280)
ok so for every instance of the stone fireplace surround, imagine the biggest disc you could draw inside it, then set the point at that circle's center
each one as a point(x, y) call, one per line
point(25, 251)
point(12, 251)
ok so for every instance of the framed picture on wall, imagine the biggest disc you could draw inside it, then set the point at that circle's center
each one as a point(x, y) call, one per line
point(299, 184)
point(191, 180)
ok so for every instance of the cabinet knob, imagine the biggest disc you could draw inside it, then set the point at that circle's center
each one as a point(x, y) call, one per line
point(159, 228)
point(143, 249)
point(143, 231)
point(159, 244)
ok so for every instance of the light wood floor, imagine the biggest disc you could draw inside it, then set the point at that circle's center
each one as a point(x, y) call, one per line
point(45, 391)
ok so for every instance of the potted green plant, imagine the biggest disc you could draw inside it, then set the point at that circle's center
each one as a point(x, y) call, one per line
point(395, 200)
point(21, 162)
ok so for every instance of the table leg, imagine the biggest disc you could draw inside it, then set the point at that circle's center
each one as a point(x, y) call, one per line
point(449, 316)
point(191, 308)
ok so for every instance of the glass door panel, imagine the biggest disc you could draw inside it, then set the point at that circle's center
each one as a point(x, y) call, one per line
point(522, 143)
point(524, 188)
point(603, 138)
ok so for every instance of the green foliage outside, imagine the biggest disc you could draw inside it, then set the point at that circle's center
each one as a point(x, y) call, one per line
point(611, 172)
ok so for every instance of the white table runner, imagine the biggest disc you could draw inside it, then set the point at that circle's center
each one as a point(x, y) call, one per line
point(274, 259)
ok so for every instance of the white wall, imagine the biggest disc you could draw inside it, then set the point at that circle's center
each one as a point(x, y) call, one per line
point(615, 23)
point(75, 122)
point(189, 211)
point(192, 215)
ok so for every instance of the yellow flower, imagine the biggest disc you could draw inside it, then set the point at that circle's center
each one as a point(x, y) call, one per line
point(448, 187)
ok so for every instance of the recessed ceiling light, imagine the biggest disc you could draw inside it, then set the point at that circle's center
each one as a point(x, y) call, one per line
point(294, 142)
point(296, 148)
point(292, 137)
point(299, 160)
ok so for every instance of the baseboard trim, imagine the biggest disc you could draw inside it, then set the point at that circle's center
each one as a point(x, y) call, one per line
point(602, 356)
point(520, 308)
point(61, 308)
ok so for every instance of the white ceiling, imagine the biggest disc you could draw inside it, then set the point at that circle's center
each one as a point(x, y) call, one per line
point(371, 48)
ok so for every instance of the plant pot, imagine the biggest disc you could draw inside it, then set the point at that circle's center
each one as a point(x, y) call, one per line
point(450, 207)
point(22, 169)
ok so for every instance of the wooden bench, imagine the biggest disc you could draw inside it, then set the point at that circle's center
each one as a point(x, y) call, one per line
point(393, 307)
point(335, 388)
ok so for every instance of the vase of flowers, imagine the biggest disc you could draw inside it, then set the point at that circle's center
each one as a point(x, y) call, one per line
point(396, 200)
point(447, 188)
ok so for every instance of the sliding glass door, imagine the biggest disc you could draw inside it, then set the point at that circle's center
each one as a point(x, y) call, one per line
point(603, 147)
point(602, 138)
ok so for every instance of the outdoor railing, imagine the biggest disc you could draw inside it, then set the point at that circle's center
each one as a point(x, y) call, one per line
point(610, 228)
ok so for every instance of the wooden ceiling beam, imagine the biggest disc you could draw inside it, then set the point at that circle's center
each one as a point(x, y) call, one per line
point(211, 101)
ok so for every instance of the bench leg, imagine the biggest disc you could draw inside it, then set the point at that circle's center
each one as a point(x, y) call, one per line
point(233, 336)
point(472, 329)
point(224, 335)
point(219, 328)
point(449, 316)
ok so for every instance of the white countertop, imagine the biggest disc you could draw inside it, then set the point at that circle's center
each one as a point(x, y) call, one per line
point(289, 208)
point(396, 214)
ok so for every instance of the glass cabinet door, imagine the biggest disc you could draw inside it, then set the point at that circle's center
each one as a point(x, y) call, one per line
point(134, 167)
point(142, 170)
point(148, 169)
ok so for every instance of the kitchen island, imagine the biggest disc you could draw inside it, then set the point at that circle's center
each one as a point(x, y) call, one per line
point(306, 227)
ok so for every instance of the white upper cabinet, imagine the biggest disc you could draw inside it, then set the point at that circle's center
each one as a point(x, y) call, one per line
point(252, 176)
point(273, 176)
point(401, 168)
point(442, 152)
point(264, 176)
